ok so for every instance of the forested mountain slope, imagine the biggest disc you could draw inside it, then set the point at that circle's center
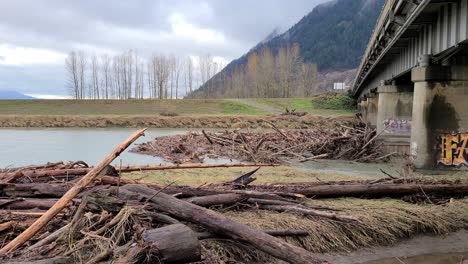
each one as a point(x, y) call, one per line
point(333, 36)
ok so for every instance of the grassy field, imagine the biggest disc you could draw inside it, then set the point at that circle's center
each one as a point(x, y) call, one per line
point(127, 107)
point(196, 177)
point(301, 105)
point(160, 107)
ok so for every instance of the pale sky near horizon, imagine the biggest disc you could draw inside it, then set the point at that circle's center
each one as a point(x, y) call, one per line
point(35, 36)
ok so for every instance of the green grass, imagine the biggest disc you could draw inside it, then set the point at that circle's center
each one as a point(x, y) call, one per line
point(127, 107)
point(302, 105)
point(196, 177)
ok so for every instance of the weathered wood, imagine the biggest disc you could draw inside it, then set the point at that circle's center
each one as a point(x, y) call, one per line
point(24, 204)
point(218, 199)
point(55, 260)
point(7, 225)
point(244, 179)
point(312, 212)
point(174, 244)
point(51, 238)
point(218, 223)
point(377, 190)
point(40, 190)
point(276, 233)
point(70, 194)
point(9, 177)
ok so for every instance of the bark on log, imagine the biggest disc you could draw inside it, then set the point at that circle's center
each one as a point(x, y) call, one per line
point(276, 233)
point(218, 199)
point(55, 260)
point(7, 177)
point(218, 223)
point(306, 211)
point(40, 190)
point(378, 190)
point(25, 204)
point(70, 194)
point(174, 244)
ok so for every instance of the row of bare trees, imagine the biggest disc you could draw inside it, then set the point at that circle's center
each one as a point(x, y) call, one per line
point(266, 74)
point(129, 76)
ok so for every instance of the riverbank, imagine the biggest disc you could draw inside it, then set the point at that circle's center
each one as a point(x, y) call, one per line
point(157, 121)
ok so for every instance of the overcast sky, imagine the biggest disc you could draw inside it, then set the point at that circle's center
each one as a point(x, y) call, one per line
point(35, 36)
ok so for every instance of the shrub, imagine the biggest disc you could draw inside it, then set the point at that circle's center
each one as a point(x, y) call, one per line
point(335, 101)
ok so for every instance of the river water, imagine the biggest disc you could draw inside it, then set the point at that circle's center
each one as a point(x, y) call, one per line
point(19, 147)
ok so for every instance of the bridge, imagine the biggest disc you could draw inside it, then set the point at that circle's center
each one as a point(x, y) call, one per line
point(412, 83)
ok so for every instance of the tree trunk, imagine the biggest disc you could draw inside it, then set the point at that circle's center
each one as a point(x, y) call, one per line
point(173, 244)
point(218, 199)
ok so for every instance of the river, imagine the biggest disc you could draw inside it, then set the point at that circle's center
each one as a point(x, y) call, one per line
point(25, 146)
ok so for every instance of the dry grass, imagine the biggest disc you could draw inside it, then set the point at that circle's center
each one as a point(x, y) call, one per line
point(196, 177)
point(382, 222)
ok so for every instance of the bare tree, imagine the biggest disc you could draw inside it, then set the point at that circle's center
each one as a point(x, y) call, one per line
point(189, 75)
point(106, 76)
point(95, 77)
point(71, 63)
point(82, 63)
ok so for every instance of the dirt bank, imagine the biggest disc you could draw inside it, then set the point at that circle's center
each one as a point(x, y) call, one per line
point(154, 121)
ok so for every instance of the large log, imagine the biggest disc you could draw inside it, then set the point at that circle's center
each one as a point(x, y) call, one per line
point(377, 190)
point(218, 199)
point(220, 224)
point(7, 177)
point(70, 194)
point(39, 190)
point(24, 204)
point(174, 244)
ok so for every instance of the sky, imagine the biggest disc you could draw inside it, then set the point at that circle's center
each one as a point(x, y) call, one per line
point(36, 36)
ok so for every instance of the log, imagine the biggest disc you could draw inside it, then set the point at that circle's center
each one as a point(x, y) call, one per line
point(220, 224)
point(55, 260)
point(377, 190)
point(7, 225)
point(69, 195)
point(7, 177)
point(173, 244)
point(244, 179)
point(276, 233)
point(25, 204)
point(39, 190)
point(51, 238)
point(312, 212)
point(218, 199)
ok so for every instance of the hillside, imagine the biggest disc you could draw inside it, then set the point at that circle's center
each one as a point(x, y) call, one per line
point(333, 36)
point(13, 95)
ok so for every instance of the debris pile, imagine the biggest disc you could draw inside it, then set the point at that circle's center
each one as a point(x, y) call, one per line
point(58, 213)
point(357, 142)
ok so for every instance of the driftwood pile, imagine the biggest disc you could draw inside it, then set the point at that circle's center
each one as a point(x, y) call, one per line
point(357, 142)
point(67, 215)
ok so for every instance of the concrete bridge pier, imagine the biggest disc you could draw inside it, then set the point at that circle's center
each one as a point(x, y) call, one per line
point(372, 108)
point(394, 116)
point(440, 117)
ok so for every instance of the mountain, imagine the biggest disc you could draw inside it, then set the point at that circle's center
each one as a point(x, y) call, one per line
point(333, 36)
point(13, 95)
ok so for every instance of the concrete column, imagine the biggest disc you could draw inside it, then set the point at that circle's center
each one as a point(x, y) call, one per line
point(395, 110)
point(372, 109)
point(439, 111)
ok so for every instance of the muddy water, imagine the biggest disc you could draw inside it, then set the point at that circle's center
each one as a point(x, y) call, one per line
point(450, 248)
point(426, 259)
point(34, 146)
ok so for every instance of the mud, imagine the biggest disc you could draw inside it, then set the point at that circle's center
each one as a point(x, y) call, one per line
point(208, 121)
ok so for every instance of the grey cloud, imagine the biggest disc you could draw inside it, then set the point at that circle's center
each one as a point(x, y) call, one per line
point(140, 24)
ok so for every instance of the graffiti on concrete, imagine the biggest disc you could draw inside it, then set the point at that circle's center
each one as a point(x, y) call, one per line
point(453, 149)
point(401, 126)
